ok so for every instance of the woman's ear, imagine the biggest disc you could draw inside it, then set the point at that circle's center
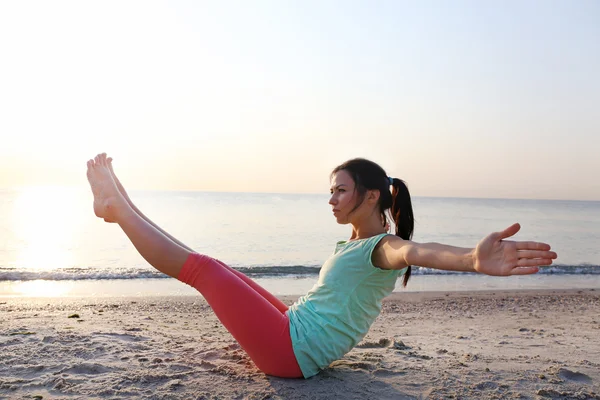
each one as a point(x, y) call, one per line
point(373, 196)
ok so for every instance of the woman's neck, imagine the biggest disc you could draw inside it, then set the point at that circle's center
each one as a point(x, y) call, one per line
point(371, 227)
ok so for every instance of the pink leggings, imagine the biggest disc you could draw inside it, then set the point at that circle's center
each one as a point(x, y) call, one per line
point(253, 316)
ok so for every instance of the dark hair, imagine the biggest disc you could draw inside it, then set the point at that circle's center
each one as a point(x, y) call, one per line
point(368, 175)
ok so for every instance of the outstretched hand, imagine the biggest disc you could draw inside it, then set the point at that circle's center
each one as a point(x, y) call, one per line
point(496, 256)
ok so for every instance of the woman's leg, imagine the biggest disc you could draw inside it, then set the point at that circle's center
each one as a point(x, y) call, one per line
point(278, 304)
point(156, 248)
point(260, 328)
point(264, 293)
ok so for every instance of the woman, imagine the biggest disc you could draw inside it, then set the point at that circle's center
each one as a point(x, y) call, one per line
point(337, 312)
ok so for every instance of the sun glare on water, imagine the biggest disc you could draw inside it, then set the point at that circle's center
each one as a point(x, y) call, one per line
point(46, 221)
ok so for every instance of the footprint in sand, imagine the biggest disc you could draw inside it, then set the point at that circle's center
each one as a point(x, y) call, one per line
point(383, 342)
point(87, 369)
point(123, 336)
point(485, 385)
point(235, 355)
point(574, 376)
point(387, 373)
point(186, 368)
point(353, 365)
point(414, 354)
point(208, 355)
point(205, 365)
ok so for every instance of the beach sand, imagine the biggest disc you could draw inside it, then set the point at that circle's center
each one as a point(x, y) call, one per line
point(480, 345)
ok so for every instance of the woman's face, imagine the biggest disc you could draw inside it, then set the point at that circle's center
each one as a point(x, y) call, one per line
point(343, 196)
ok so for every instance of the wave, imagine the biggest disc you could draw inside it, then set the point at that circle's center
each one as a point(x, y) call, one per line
point(77, 274)
point(293, 271)
point(581, 269)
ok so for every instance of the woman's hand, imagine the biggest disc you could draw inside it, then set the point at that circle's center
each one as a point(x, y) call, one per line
point(496, 256)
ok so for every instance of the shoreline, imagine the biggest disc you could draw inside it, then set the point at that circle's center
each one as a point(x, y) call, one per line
point(289, 286)
point(483, 345)
point(411, 296)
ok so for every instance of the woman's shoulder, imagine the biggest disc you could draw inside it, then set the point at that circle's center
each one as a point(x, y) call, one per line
point(389, 238)
point(387, 255)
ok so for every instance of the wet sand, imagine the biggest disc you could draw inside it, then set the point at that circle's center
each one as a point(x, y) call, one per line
point(483, 345)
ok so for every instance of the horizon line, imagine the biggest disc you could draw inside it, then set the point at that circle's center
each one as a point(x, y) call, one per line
point(29, 187)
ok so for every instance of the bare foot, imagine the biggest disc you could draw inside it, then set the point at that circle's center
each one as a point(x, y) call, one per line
point(108, 202)
point(117, 181)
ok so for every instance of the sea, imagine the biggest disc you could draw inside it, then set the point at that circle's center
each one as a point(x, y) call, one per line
point(52, 245)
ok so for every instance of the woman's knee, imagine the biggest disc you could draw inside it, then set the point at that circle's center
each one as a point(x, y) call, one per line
point(194, 268)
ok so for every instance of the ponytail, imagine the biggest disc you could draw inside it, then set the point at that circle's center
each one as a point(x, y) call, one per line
point(402, 215)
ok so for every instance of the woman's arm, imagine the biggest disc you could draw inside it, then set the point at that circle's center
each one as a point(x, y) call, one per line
point(492, 256)
point(396, 253)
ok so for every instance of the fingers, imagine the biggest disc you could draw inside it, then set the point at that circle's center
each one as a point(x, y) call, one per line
point(532, 246)
point(533, 258)
point(524, 271)
point(536, 254)
point(510, 231)
point(533, 262)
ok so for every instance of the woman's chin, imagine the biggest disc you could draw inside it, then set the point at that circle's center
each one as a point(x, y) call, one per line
point(341, 221)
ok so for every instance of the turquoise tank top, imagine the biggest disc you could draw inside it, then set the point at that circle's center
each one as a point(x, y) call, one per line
point(336, 314)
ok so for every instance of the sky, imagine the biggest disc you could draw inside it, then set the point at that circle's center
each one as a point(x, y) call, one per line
point(459, 99)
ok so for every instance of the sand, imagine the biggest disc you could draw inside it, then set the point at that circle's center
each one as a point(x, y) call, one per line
point(481, 345)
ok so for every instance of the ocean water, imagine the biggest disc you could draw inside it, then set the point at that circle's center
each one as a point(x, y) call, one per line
point(52, 244)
